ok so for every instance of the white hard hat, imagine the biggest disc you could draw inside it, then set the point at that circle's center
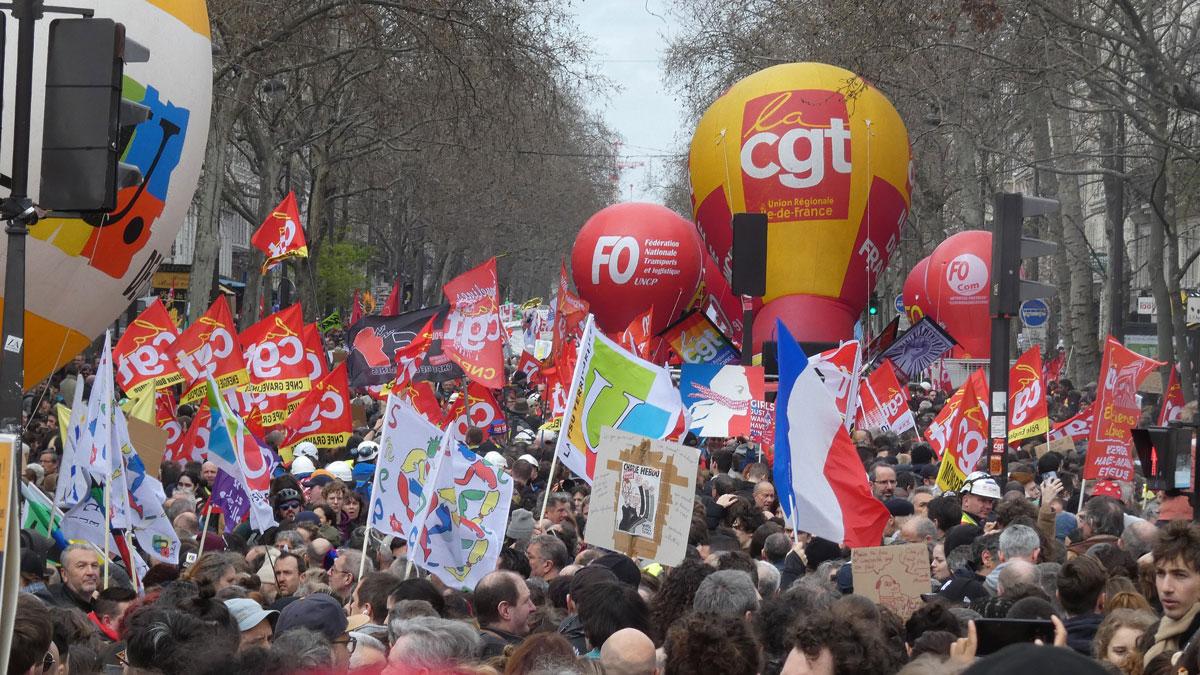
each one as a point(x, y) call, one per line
point(523, 436)
point(341, 470)
point(496, 459)
point(981, 485)
point(305, 449)
point(302, 466)
point(528, 458)
point(546, 436)
point(367, 450)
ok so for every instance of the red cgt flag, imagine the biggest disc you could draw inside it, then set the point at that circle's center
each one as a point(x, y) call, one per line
point(143, 352)
point(1122, 370)
point(210, 346)
point(323, 416)
point(883, 403)
point(275, 354)
point(472, 334)
point(636, 337)
point(280, 236)
point(1172, 408)
point(1027, 415)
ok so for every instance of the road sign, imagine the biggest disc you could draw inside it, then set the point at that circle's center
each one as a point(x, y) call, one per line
point(899, 304)
point(1035, 313)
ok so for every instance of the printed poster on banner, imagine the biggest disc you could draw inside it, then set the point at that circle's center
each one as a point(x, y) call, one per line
point(323, 416)
point(461, 530)
point(838, 368)
point(274, 353)
point(883, 403)
point(472, 334)
point(919, 347)
point(697, 340)
point(642, 496)
point(1110, 453)
point(210, 348)
point(1027, 415)
point(143, 352)
point(375, 341)
point(611, 387)
point(718, 398)
point(280, 236)
point(408, 446)
point(762, 425)
point(968, 443)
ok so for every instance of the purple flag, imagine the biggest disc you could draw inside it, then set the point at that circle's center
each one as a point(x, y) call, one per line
point(229, 496)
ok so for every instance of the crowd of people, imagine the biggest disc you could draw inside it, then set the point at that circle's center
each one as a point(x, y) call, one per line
point(1116, 572)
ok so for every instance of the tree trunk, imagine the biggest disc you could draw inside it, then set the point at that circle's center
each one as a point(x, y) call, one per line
point(207, 243)
point(1085, 360)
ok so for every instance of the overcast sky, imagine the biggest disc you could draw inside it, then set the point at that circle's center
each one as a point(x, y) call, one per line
point(628, 38)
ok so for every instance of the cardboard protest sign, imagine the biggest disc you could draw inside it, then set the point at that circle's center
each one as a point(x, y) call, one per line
point(893, 576)
point(1062, 445)
point(642, 496)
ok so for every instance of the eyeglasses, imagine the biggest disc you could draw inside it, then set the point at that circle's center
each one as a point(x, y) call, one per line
point(350, 642)
point(47, 662)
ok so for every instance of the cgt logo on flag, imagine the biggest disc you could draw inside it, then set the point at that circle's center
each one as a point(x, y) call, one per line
point(280, 236)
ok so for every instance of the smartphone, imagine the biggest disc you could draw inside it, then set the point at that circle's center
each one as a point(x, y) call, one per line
point(1050, 474)
point(996, 634)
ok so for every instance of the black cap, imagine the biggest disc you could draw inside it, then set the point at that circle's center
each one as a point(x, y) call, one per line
point(899, 507)
point(319, 612)
point(622, 566)
point(33, 563)
point(959, 535)
point(1031, 658)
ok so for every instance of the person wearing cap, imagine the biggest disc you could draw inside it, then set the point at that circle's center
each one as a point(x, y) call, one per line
point(256, 624)
point(288, 503)
point(979, 496)
point(901, 510)
point(321, 613)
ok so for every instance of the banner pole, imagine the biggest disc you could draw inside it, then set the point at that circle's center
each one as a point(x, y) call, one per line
point(362, 564)
point(1082, 489)
point(204, 531)
point(584, 340)
point(549, 485)
point(107, 524)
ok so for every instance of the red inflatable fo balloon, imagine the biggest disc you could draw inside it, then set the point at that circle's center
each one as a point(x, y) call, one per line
point(632, 256)
point(957, 280)
point(916, 299)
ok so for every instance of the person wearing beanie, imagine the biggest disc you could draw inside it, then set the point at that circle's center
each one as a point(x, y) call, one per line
point(520, 525)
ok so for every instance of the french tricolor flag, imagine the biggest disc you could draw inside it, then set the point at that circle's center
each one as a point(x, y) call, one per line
point(819, 478)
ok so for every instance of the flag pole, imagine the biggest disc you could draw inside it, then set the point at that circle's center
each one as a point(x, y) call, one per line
point(571, 396)
point(204, 530)
point(1082, 489)
point(362, 564)
point(133, 575)
point(107, 524)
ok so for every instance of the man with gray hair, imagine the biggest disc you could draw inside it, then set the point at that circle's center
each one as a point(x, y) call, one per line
point(343, 574)
point(1016, 573)
point(432, 644)
point(80, 573)
point(1017, 542)
point(1138, 538)
point(768, 579)
point(727, 593)
point(547, 556)
point(918, 530)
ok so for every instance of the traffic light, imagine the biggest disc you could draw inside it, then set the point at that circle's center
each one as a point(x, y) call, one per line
point(873, 305)
point(1009, 248)
point(1166, 456)
point(87, 123)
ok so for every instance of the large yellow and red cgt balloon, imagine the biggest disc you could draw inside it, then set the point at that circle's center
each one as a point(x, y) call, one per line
point(826, 157)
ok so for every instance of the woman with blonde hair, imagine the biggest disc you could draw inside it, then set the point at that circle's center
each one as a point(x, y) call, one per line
point(1116, 639)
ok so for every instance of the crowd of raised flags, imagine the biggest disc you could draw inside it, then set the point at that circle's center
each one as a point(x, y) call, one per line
point(274, 376)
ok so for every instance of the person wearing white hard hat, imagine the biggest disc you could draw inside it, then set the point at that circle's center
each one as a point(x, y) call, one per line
point(305, 449)
point(341, 470)
point(302, 467)
point(979, 496)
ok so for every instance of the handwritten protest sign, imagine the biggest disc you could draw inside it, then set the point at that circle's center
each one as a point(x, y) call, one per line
point(893, 576)
point(642, 496)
